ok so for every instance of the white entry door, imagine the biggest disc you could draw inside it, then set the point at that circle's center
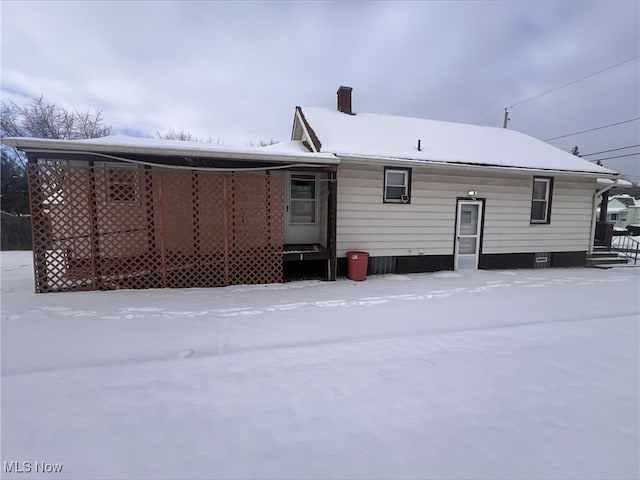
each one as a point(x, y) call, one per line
point(302, 208)
point(468, 228)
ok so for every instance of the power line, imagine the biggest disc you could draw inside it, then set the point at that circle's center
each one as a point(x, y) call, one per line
point(563, 85)
point(618, 156)
point(489, 116)
point(575, 81)
point(592, 129)
point(607, 151)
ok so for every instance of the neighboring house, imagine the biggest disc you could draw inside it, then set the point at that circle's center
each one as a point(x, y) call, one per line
point(418, 195)
point(623, 211)
point(617, 213)
point(633, 218)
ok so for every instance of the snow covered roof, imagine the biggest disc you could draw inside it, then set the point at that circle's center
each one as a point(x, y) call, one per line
point(616, 210)
point(618, 182)
point(622, 195)
point(385, 136)
point(625, 199)
point(290, 151)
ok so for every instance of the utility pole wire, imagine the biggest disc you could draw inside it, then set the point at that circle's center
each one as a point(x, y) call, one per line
point(575, 81)
point(564, 85)
point(619, 156)
point(607, 151)
point(489, 116)
point(591, 129)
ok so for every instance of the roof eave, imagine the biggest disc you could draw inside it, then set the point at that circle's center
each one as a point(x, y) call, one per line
point(43, 144)
point(358, 159)
point(317, 145)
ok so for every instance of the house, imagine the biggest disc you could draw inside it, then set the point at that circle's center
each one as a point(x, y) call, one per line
point(617, 213)
point(422, 195)
point(623, 211)
point(418, 195)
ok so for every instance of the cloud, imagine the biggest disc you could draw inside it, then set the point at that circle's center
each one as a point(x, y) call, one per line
point(235, 70)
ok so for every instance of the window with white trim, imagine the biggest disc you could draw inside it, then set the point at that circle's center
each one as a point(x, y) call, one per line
point(397, 185)
point(541, 199)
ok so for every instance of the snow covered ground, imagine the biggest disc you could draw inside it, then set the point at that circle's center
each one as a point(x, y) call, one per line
point(481, 374)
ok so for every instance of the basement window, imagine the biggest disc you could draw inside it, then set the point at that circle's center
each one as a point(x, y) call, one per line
point(541, 200)
point(397, 185)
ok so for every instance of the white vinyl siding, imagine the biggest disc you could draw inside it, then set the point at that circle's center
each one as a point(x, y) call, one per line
point(426, 225)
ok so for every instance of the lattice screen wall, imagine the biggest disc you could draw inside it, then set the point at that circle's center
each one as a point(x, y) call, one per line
point(107, 227)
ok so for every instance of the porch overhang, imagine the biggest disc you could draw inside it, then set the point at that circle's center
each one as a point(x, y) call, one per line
point(289, 153)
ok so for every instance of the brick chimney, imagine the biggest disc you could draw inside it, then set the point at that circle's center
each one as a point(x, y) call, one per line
point(344, 100)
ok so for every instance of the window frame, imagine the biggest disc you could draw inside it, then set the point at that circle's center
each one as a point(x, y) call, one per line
point(406, 171)
point(548, 200)
point(314, 200)
point(116, 185)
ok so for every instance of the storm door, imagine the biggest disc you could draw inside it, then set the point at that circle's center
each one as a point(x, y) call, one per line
point(302, 208)
point(468, 231)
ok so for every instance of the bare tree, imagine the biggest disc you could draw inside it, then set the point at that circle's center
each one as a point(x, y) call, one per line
point(39, 118)
point(263, 143)
point(182, 135)
point(42, 119)
point(13, 186)
point(185, 136)
point(91, 125)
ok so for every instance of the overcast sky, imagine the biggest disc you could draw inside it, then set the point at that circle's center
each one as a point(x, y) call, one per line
point(235, 71)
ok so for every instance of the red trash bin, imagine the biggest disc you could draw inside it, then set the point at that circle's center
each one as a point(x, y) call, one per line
point(357, 263)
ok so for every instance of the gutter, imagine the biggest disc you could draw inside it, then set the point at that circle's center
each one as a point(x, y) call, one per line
point(185, 167)
point(465, 166)
point(70, 146)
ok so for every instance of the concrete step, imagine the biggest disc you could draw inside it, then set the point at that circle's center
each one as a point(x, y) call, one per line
point(603, 255)
point(608, 261)
point(604, 266)
point(602, 250)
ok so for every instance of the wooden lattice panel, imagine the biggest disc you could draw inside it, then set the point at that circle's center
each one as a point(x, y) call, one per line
point(256, 229)
point(122, 216)
point(123, 226)
point(61, 226)
point(178, 225)
point(210, 239)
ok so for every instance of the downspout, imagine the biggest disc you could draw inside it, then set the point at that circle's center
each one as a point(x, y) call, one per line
point(596, 200)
